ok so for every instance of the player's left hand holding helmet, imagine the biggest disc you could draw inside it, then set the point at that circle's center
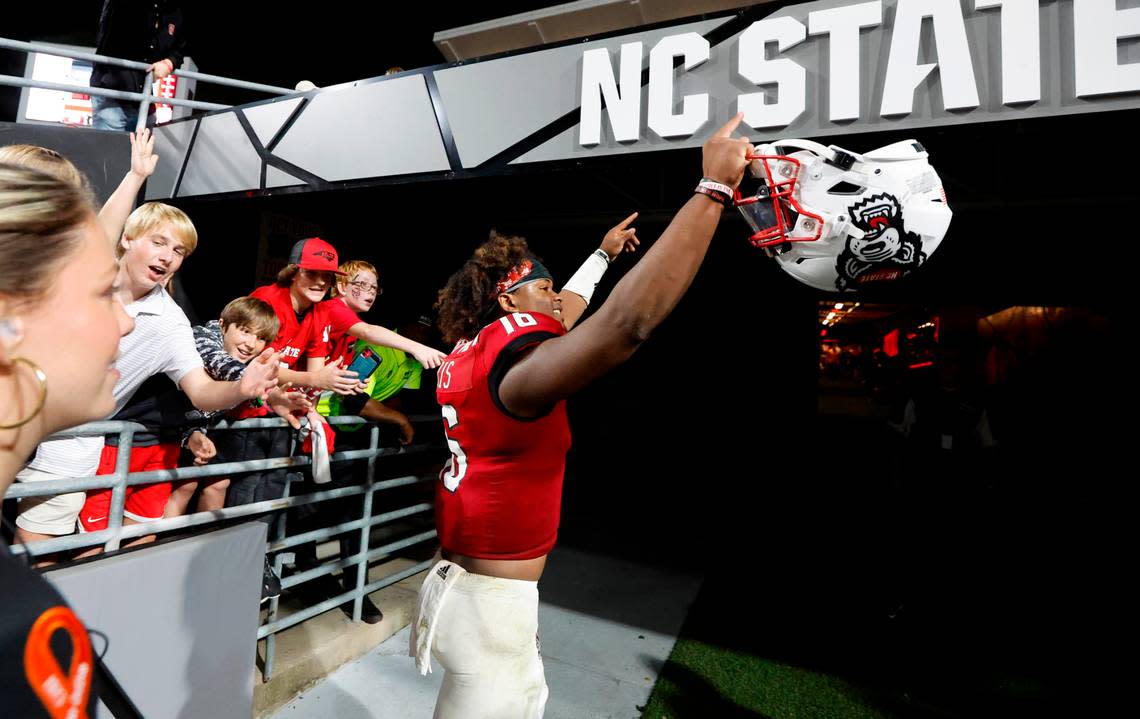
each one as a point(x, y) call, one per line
point(839, 221)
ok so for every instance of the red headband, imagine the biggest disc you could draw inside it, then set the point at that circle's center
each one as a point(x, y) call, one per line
point(518, 273)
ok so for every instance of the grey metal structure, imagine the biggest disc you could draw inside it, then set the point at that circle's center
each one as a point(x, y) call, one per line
point(175, 621)
point(144, 98)
point(499, 114)
point(112, 537)
point(566, 21)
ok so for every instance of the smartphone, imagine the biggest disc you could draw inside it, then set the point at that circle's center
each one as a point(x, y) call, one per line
point(364, 364)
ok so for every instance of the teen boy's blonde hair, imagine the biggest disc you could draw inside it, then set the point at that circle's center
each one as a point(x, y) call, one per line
point(149, 216)
point(351, 269)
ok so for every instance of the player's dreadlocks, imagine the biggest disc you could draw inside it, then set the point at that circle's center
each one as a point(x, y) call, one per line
point(467, 302)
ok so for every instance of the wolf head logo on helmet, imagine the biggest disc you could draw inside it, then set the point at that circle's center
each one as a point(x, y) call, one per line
point(837, 220)
point(885, 252)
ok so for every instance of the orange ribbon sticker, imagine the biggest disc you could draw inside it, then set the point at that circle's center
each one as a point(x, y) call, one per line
point(63, 695)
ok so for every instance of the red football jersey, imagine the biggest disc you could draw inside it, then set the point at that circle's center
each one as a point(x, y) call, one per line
point(500, 495)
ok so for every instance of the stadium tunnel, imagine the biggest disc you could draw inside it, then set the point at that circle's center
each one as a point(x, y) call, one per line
point(727, 446)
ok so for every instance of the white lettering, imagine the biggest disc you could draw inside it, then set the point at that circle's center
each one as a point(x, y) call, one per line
point(1020, 49)
point(445, 374)
point(788, 75)
point(1101, 65)
point(956, 69)
point(842, 25)
point(623, 106)
point(694, 108)
point(1097, 27)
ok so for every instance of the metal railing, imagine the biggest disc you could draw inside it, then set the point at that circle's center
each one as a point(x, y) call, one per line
point(144, 98)
point(278, 539)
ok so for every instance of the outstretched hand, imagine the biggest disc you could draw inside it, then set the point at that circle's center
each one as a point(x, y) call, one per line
point(143, 159)
point(260, 376)
point(288, 404)
point(621, 238)
point(725, 157)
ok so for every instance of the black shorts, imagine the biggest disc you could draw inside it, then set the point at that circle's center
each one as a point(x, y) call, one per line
point(353, 404)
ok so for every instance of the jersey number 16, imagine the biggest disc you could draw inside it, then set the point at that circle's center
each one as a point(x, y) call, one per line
point(456, 467)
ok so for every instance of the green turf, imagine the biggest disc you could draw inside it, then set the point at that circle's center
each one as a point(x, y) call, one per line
point(702, 680)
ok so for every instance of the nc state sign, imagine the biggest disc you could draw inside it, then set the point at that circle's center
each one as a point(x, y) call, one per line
point(1093, 33)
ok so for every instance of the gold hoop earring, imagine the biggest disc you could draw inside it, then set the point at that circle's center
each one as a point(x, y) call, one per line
point(42, 379)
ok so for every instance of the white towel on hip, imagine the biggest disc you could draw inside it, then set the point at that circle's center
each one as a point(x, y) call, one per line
point(441, 578)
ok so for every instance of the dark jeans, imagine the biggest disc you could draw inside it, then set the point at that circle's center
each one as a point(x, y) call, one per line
point(110, 114)
point(237, 446)
point(333, 511)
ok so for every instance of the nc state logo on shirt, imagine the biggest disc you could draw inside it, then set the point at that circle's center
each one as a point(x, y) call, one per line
point(291, 352)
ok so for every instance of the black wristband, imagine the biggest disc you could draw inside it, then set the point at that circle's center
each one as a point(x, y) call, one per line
point(719, 197)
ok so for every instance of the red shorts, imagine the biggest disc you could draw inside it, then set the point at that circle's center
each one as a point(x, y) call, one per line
point(144, 502)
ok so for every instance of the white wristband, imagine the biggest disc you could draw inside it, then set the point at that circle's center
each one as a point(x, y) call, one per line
point(587, 277)
point(717, 186)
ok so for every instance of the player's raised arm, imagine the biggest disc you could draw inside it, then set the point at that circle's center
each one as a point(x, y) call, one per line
point(559, 367)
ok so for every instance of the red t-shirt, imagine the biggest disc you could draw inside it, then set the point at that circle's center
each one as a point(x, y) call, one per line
point(500, 495)
point(293, 335)
point(332, 340)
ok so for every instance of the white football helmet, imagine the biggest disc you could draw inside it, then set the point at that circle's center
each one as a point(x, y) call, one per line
point(837, 220)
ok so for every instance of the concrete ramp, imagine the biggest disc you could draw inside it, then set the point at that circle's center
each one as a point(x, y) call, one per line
point(607, 626)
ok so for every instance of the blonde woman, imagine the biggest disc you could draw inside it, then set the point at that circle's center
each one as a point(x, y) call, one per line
point(60, 325)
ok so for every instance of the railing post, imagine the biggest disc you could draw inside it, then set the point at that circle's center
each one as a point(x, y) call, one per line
point(119, 489)
point(144, 106)
point(366, 530)
point(277, 534)
point(145, 98)
point(278, 566)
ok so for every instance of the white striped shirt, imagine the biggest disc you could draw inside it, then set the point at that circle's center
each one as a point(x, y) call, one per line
point(160, 342)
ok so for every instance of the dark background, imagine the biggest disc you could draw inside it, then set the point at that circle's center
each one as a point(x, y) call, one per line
point(991, 584)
